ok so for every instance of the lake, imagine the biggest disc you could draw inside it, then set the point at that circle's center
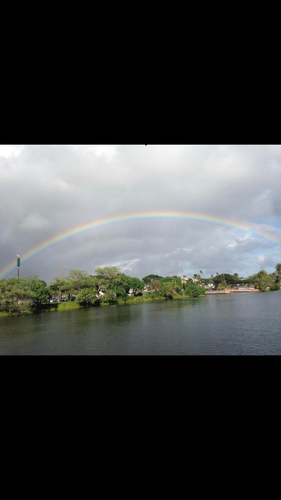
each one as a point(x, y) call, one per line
point(227, 324)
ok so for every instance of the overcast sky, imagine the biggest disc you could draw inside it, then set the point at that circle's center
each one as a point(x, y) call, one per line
point(46, 190)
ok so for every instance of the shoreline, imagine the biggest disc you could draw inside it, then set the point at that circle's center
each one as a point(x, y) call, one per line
point(232, 291)
point(71, 306)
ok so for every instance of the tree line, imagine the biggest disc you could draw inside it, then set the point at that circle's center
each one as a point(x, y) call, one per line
point(110, 286)
point(107, 286)
point(262, 280)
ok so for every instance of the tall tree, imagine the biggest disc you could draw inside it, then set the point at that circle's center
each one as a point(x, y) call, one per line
point(41, 291)
point(278, 269)
point(112, 284)
point(150, 277)
point(136, 284)
point(155, 286)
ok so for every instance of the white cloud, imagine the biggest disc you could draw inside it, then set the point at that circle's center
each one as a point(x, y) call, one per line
point(46, 190)
point(122, 265)
point(34, 222)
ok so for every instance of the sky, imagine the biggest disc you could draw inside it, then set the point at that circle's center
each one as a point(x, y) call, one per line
point(227, 198)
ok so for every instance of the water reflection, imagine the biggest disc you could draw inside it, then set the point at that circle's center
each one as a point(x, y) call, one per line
point(214, 325)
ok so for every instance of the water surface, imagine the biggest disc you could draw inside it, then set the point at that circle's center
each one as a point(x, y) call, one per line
point(238, 324)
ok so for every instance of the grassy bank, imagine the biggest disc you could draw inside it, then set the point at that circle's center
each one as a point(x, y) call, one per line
point(64, 306)
point(69, 306)
point(176, 297)
point(142, 299)
point(138, 300)
point(135, 300)
point(4, 314)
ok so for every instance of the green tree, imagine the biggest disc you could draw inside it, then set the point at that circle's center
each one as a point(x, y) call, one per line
point(193, 290)
point(168, 290)
point(221, 286)
point(59, 287)
point(150, 277)
point(120, 284)
point(78, 279)
point(175, 280)
point(16, 295)
point(107, 272)
point(136, 284)
point(262, 280)
point(275, 286)
point(113, 284)
point(41, 291)
point(87, 297)
point(75, 281)
point(278, 269)
point(104, 276)
point(155, 286)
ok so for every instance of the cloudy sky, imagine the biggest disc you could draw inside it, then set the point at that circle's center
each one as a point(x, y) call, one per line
point(46, 190)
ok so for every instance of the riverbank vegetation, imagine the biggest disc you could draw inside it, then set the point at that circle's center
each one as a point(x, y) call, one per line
point(261, 281)
point(109, 286)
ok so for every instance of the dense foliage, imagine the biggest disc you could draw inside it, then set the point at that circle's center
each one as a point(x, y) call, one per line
point(150, 277)
point(109, 286)
point(19, 295)
point(263, 281)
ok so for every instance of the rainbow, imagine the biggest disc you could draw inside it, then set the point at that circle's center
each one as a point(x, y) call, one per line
point(54, 240)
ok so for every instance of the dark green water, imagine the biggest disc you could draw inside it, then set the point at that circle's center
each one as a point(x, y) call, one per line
point(241, 324)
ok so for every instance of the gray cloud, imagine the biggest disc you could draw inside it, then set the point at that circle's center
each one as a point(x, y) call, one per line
point(46, 190)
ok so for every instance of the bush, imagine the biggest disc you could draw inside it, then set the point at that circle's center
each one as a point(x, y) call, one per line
point(194, 290)
point(87, 297)
point(274, 286)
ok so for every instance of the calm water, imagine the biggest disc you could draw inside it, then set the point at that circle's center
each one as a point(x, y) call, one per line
point(238, 324)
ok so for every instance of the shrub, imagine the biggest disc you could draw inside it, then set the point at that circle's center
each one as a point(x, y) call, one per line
point(274, 286)
point(87, 297)
point(194, 290)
